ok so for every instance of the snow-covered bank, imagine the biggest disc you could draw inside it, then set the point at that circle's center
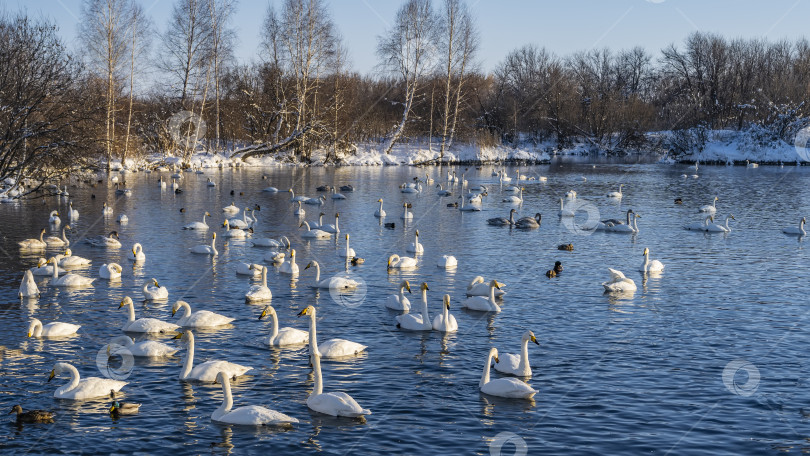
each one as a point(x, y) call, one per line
point(755, 144)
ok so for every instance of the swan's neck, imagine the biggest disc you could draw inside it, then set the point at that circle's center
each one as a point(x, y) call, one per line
point(347, 245)
point(213, 245)
point(729, 228)
point(41, 235)
point(401, 293)
point(316, 367)
point(320, 220)
point(801, 227)
point(264, 277)
point(188, 361)
point(562, 206)
point(131, 310)
point(55, 269)
point(64, 238)
point(203, 219)
point(274, 331)
point(485, 375)
point(381, 203)
point(425, 316)
point(313, 336)
point(74, 379)
point(511, 218)
point(524, 355)
point(227, 398)
point(36, 331)
point(646, 262)
point(318, 268)
point(187, 309)
point(445, 314)
point(492, 295)
point(635, 224)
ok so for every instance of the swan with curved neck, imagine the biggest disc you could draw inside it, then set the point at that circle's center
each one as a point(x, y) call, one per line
point(332, 348)
point(201, 226)
point(796, 231)
point(207, 249)
point(143, 325)
point(207, 371)
point(445, 322)
point(503, 387)
point(53, 329)
point(34, 243)
point(399, 301)
point(137, 253)
point(650, 266)
point(200, 318)
point(251, 415)
point(417, 322)
point(332, 283)
point(69, 279)
point(259, 292)
point(483, 304)
point(332, 228)
point(54, 241)
point(284, 336)
point(82, 388)
point(518, 365)
point(334, 404)
point(380, 212)
point(716, 228)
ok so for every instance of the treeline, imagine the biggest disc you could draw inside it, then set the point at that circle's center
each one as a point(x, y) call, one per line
point(114, 95)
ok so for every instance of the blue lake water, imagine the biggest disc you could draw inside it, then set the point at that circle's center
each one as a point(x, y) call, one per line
point(615, 374)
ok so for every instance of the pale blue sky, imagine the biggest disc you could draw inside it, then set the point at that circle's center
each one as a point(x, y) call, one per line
point(563, 26)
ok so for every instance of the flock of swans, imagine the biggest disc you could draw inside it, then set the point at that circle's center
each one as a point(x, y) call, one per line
point(481, 295)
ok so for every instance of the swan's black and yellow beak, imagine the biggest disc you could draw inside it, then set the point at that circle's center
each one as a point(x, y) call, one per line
point(174, 311)
point(307, 267)
point(497, 360)
point(29, 334)
point(178, 336)
point(264, 314)
point(408, 286)
point(122, 303)
point(156, 283)
point(53, 374)
point(534, 339)
point(303, 312)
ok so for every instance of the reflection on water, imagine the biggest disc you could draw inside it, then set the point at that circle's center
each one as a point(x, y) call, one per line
point(609, 368)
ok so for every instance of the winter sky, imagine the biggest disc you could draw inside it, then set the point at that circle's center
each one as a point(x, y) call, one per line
point(562, 26)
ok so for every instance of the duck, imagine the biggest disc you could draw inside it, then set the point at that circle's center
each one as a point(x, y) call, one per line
point(110, 241)
point(53, 241)
point(618, 283)
point(417, 322)
point(405, 214)
point(558, 267)
point(143, 349)
point(207, 371)
point(390, 225)
point(110, 271)
point(551, 273)
point(332, 348)
point(281, 337)
point(260, 292)
point(323, 188)
point(314, 233)
point(503, 387)
point(357, 261)
point(69, 279)
point(333, 404)
point(678, 201)
point(206, 249)
point(28, 286)
point(289, 266)
point(618, 194)
point(332, 283)
point(54, 219)
point(500, 221)
point(31, 416)
point(568, 247)
point(347, 188)
point(517, 365)
point(53, 329)
point(397, 262)
point(399, 301)
point(144, 325)
point(380, 212)
point(447, 262)
point(154, 292)
point(648, 266)
point(34, 244)
point(199, 226)
point(82, 388)
point(528, 223)
point(477, 287)
point(481, 303)
point(710, 208)
point(792, 230)
point(137, 254)
point(415, 246)
point(250, 415)
point(69, 260)
point(445, 322)
point(200, 318)
point(332, 228)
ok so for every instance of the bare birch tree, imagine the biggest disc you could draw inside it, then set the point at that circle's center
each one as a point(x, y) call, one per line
point(186, 45)
point(459, 42)
point(222, 38)
point(139, 29)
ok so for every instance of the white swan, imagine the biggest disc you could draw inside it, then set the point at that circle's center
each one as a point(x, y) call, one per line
point(794, 230)
point(250, 415)
point(122, 219)
point(69, 260)
point(270, 190)
point(470, 207)
point(110, 271)
point(319, 201)
point(110, 241)
point(161, 183)
point(211, 183)
point(289, 266)
point(54, 219)
point(235, 233)
point(283, 336)
point(260, 292)
point(571, 194)
point(716, 228)
point(44, 269)
point(249, 269)
point(336, 195)
point(481, 303)
point(415, 246)
point(348, 252)
point(314, 233)
point(294, 198)
point(53, 329)
point(699, 226)
point(207, 371)
point(82, 388)
point(564, 212)
point(67, 280)
point(447, 262)
point(106, 210)
point(232, 209)
point(334, 404)
point(54, 241)
point(28, 287)
point(137, 254)
point(650, 266)
point(242, 223)
point(509, 363)
point(414, 322)
point(319, 223)
point(281, 242)
point(399, 301)
point(73, 214)
point(477, 287)
point(710, 208)
point(200, 318)
point(34, 244)
point(154, 292)
point(619, 283)
point(445, 322)
point(200, 226)
point(397, 262)
point(503, 387)
point(144, 325)
point(332, 283)
point(379, 212)
point(332, 228)
point(207, 249)
point(614, 195)
point(405, 214)
point(332, 348)
point(144, 349)
point(514, 199)
point(274, 256)
point(443, 192)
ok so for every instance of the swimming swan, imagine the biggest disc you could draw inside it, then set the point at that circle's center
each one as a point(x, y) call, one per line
point(650, 266)
point(481, 303)
point(207, 371)
point(200, 318)
point(82, 388)
point(417, 322)
point(200, 226)
point(28, 286)
point(399, 301)
point(207, 249)
point(619, 283)
point(250, 415)
point(154, 292)
point(144, 325)
point(53, 329)
point(503, 387)
point(334, 404)
point(280, 337)
point(332, 283)
point(69, 279)
point(332, 348)
point(260, 292)
point(445, 322)
point(796, 231)
point(110, 271)
point(518, 365)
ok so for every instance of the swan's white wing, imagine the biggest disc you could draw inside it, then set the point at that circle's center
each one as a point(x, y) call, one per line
point(508, 363)
point(58, 328)
point(509, 387)
point(337, 348)
point(91, 387)
point(336, 404)
point(207, 371)
point(256, 415)
point(615, 274)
